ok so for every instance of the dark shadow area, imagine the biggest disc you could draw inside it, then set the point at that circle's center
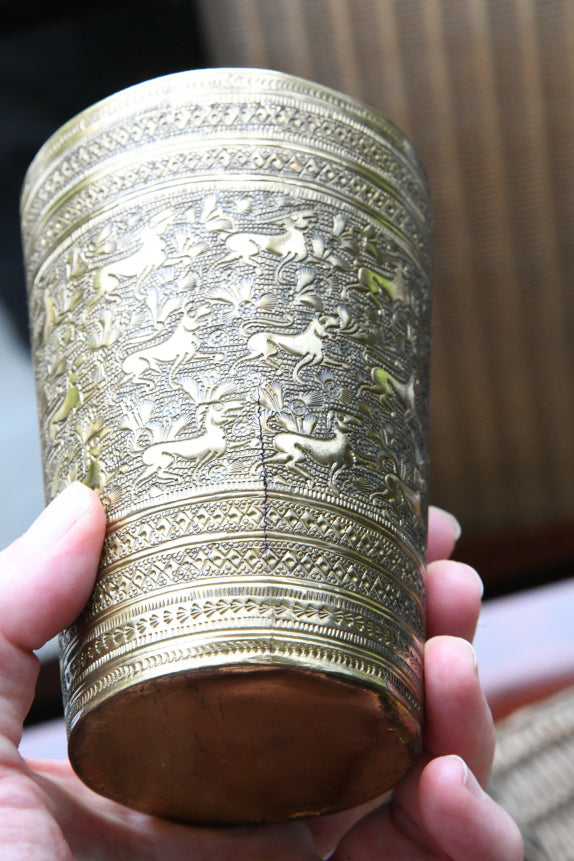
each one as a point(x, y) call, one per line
point(55, 60)
point(514, 559)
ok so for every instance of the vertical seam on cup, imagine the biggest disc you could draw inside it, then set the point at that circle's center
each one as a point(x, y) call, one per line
point(265, 496)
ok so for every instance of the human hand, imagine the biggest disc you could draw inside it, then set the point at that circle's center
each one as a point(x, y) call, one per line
point(46, 814)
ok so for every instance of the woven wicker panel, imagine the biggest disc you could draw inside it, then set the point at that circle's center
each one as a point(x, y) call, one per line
point(485, 89)
point(533, 776)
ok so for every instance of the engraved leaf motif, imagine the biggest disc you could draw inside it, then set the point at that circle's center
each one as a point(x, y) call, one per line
point(203, 394)
point(364, 485)
point(323, 252)
point(267, 302)
point(140, 416)
point(209, 206)
point(186, 244)
point(212, 216)
point(241, 297)
point(345, 235)
point(318, 246)
point(311, 399)
point(234, 294)
point(339, 224)
point(338, 263)
point(111, 496)
point(307, 424)
point(75, 264)
point(348, 396)
point(161, 307)
point(271, 396)
point(305, 276)
point(103, 242)
point(138, 319)
point(107, 333)
point(301, 424)
point(368, 241)
point(305, 288)
point(244, 205)
point(89, 430)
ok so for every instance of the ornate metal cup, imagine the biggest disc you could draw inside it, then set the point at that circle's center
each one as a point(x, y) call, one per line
point(228, 290)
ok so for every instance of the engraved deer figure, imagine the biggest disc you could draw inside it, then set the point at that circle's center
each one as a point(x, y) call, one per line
point(149, 254)
point(379, 287)
point(385, 384)
point(181, 346)
point(333, 451)
point(289, 244)
point(399, 491)
point(308, 345)
point(214, 411)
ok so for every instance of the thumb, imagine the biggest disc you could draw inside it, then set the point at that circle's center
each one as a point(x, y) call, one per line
point(46, 577)
point(466, 822)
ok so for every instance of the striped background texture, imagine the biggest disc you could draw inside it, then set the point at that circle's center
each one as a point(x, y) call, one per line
point(485, 90)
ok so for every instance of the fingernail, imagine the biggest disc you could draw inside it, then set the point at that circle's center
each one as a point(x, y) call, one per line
point(477, 576)
point(472, 651)
point(455, 524)
point(467, 778)
point(61, 514)
point(459, 763)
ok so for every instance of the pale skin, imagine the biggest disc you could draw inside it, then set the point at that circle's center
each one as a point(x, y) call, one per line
point(439, 811)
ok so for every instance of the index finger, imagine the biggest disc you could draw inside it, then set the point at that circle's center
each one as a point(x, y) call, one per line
point(443, 533)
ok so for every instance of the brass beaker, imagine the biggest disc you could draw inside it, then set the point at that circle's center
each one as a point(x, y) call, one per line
point(228, 278)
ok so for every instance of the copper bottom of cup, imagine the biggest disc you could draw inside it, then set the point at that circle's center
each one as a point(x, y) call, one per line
point(244, 745)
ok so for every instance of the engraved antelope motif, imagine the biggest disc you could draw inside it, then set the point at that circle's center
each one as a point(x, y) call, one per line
point(385, 384)
point(56, 309)
point(66, 404)
point(289, 244)
point(212, 415)
point(399, 490)
point(379, 287)
point(333, 451)
point(80, 387)
point(181, 346)
point(150, 254)
point(308, 345)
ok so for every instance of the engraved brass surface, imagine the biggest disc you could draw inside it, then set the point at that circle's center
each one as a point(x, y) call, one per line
point(229, 300)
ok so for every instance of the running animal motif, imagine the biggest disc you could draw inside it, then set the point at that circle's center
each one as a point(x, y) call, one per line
point(181, 346)
point(333, 451)
point(289, 244)
point(149, 254)
point(400, 491)
point(308, 345)
point(210, 444)
point(385, 384)
point(379, 287)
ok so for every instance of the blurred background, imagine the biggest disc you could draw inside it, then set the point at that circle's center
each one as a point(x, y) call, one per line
point(485, 90)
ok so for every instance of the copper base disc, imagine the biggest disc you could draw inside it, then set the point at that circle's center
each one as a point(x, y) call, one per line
point(244, 745)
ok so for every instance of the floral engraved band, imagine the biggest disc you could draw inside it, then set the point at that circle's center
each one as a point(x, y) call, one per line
point(228, 279)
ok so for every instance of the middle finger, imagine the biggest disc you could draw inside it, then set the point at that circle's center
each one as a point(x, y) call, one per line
point(454, 592)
